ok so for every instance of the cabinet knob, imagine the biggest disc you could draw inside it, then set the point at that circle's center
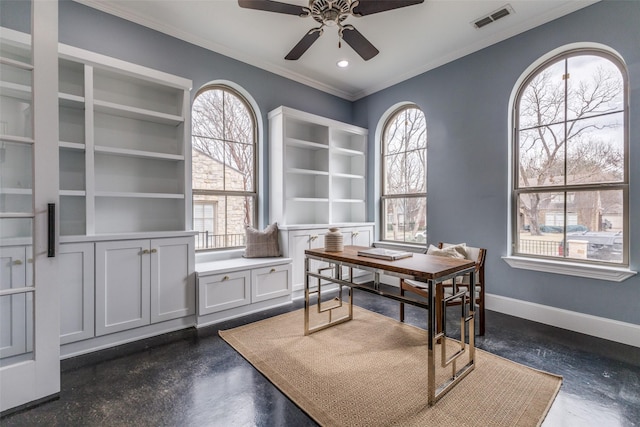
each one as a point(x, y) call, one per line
point(154, 250)
point(145, 251)
point(314, 237)
point(355, 233)
point(30, 260)
point(273, 270)
point(225, 278)
point(17, 262)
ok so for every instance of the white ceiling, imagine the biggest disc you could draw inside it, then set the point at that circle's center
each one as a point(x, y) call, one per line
point(411, 40)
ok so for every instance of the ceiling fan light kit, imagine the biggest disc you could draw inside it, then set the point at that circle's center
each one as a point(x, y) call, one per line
point(331, 13)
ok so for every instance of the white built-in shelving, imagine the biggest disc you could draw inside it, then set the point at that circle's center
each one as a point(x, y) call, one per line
point(324, 169)
point(123, 147)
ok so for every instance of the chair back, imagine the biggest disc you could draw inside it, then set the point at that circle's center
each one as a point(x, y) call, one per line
point(474, 254)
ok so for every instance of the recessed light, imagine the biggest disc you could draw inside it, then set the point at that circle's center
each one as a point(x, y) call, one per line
point(343, 63)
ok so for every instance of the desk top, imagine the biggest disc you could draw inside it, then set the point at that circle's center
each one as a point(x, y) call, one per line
point(421, 266)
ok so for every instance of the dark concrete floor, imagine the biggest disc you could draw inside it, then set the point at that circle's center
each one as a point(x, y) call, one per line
point(193, 378)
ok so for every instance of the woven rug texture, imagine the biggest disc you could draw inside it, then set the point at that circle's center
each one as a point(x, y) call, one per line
point(372, 371)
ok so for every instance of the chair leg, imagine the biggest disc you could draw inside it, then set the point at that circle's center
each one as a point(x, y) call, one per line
point(401, 304)
point(481, 316)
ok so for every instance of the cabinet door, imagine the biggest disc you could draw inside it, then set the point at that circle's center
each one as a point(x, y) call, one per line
point(76, 292)
point(362, 236)
point(14, 330)
point(223, 291)
point(173, 293)
point(270, 282)
point(122, 285)
point(298, 243)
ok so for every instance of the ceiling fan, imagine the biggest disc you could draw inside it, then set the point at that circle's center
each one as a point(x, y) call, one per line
point(331, 13)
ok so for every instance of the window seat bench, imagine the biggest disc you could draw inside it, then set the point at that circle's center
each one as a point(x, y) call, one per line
point(230, 286)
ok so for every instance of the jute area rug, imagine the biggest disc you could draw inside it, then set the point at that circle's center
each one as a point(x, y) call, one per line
point(371, 371)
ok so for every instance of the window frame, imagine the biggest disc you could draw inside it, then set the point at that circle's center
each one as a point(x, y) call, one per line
point(571, 266)
point(254, 195)
point(399, 196)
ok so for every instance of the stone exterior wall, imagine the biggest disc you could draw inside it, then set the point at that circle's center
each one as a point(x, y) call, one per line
point(207, 173)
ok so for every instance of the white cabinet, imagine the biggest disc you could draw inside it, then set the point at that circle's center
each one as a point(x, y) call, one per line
point(244, 284)
point(123, 285)
point(124, 157)
point(321, 169)
point(173, 289)
point(270, 282)
point(139, 282)
point(297, 240)
point(76, 261)
point(224, 291)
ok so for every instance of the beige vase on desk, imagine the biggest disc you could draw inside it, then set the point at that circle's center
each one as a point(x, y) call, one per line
point(333, 240)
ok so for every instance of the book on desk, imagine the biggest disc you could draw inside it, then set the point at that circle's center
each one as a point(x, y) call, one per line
point(386, 254)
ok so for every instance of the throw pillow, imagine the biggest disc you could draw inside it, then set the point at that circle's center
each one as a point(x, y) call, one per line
point(450, 251)
point(262, 244)
point(453, 251)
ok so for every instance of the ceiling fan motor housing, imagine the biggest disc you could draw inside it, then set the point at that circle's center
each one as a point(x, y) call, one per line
point(331, 12)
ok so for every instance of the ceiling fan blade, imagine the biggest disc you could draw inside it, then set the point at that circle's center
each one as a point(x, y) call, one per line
point(304, 44)
point(359, 43)
point(368, 7)
point(273, 6)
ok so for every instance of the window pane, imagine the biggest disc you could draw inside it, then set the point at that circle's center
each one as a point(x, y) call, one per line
point(593, 222)
point(405, 219)
point(394, 174)
point(541, 152)
point(601, 213)
point(239, 167)
point(416, 165)
point(595, 86)
point(542, 102)
point(540, 224)
point(595, 150)
point(238, 122)
point(207, 172)
point(206, 115)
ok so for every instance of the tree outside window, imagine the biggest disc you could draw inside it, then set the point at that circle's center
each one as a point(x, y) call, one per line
point(404, 169)
point(571, 173)
point(223, 167)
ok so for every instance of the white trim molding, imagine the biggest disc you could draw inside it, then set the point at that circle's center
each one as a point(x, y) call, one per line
point(601, 327)
point(591, 271)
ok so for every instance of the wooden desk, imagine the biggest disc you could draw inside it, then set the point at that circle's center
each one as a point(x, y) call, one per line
point(432, 270)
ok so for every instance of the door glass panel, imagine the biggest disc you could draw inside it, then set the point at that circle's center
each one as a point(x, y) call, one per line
point(16, 101)
point(16, 177)
point(16, 307)
point(16, 328)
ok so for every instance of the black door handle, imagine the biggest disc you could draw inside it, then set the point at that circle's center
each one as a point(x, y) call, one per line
point(51, 230)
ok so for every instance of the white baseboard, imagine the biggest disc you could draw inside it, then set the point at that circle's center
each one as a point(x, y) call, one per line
point(613, 330)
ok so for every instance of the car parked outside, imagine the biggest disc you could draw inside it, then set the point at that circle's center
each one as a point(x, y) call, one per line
point(602, 245)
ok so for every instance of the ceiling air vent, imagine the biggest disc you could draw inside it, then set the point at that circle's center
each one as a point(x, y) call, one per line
point(493, 16)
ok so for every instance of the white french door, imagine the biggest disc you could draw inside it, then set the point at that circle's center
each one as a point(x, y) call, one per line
point(29, 307)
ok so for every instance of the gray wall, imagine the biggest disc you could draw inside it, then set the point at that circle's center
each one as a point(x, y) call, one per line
point(466, 107)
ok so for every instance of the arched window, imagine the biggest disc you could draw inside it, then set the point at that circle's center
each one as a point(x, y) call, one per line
point(571, 173)
point(404, 176)
point(224, 147)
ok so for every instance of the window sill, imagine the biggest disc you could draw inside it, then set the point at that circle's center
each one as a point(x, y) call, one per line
point(612, 274)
